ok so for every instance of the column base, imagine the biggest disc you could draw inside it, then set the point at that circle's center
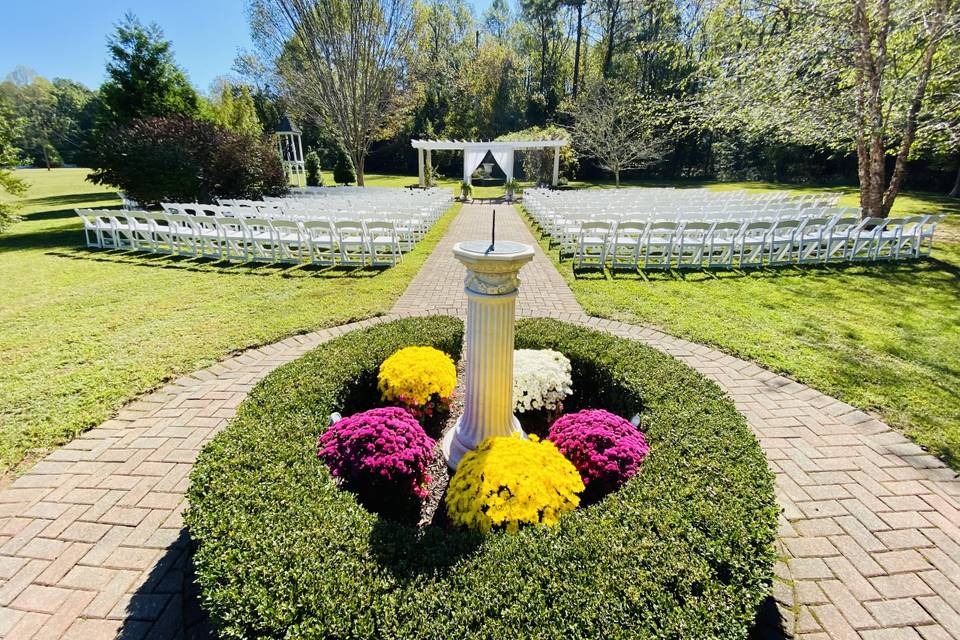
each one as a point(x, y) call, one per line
point(454, 448)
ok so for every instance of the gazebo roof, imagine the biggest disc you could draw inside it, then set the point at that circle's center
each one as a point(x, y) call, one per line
point(462, 145)
point(286, 125)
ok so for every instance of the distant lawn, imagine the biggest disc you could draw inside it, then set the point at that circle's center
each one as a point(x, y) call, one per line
point(83, 331)
point(882, 337)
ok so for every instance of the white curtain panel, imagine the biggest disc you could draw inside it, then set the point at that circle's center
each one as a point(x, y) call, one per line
point(471, 160)
point(504, 158)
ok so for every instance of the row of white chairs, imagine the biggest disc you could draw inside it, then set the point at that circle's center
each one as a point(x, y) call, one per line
point(727, 244)
point(353, 243)
point(410, 228)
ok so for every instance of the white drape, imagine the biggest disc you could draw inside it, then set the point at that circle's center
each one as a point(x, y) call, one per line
point(471, 160)
point(504, 158)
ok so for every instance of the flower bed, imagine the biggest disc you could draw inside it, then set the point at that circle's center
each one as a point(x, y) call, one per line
point(682, 549)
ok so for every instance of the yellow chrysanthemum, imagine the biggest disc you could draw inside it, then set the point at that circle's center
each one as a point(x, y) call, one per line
point(414, 374)
point(508, 481)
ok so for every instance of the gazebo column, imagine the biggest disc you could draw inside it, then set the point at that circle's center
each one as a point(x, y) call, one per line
point(420, 166)
point(556, 166)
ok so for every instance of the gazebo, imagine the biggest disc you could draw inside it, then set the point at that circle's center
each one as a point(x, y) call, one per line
point(291, 148)
point(474, 153)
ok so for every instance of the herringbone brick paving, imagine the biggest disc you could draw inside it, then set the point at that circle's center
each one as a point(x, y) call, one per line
point(91, 540)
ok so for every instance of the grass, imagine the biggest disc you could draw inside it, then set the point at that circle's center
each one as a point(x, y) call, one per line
point(82, 332)
point(885, 338)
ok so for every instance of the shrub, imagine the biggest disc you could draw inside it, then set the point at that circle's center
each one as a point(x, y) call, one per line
point(381, 454)
point(684, 549)
point(178, 159)
point(343, 172)
point(507, 482)
point(311, 165)
point(606, 449)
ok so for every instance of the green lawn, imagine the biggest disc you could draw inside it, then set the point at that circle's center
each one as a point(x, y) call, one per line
point(885, 338)
point(82, 332)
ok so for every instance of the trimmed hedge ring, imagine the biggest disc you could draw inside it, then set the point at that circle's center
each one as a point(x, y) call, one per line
point(682, 550)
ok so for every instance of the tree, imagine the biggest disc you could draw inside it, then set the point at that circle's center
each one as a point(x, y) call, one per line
point(497, 19)
point(9, 155)
point(851, 76)
point(311, 165)
point(143, 79)
point(342, 62)
point(343, 169)
point(616, 128)
point(182, 159)
point(232, 106)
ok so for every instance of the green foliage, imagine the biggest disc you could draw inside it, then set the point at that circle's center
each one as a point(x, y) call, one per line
point(684, 549)
point(311, 165)
point(233, 107)
point(343, 172)
point(143, 79)
point(56, 116)
point(183, 160)
point(538, 164)
point(466, 190)
point(9, 156)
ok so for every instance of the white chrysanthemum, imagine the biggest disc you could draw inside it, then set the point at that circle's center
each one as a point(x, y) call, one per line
point(541, 379)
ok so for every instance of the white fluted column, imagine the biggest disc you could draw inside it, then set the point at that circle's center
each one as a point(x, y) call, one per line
point(491, 286)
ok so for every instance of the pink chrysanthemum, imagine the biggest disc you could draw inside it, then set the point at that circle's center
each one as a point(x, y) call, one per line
point(606, 449)
point(379, 446)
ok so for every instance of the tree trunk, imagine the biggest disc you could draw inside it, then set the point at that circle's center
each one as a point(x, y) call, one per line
point(616, 177)
point(955, 192)
point(358, 165)
point(46, 158)
point(576, 53)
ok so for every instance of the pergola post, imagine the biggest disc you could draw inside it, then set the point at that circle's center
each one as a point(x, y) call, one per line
point(429, 166)
point(466, 173)
point(556, 166)
point(420, 166)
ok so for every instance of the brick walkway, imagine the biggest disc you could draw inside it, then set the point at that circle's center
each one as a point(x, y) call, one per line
point(438, 287)
point(91, 540)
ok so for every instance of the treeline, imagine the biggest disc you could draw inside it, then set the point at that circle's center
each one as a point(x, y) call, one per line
point(785, 90)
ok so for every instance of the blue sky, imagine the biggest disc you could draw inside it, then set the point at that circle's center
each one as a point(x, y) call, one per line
point(64, 38)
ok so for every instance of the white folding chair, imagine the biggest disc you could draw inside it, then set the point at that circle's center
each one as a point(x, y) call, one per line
point(291, 245)
point(141, 230)
point(384, 245)
point(353, 242)
point(838, 238)
point(260, 240)
point(658, 246)
point(909, 242)
point(182, 233)
point(752, 243)
point(92, 232)
point(691, 242)
point(591, 248)
point(925, 243)
point(888, 239)
point(322, 240)
point(810, 240)
point(233, 238)
point(864, 240)
point(781, 241)
point(207, 236)
point(625, 250)
point(721, 244)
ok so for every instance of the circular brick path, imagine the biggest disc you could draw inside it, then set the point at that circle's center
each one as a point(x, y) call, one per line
point(92, 543)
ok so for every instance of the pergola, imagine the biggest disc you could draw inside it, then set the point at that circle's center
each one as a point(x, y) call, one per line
point(474, 153)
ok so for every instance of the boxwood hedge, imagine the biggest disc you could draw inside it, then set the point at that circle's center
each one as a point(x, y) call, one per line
point(683, 550)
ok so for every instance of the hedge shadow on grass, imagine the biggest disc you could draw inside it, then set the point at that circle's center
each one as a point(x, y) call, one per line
point(682, 550)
